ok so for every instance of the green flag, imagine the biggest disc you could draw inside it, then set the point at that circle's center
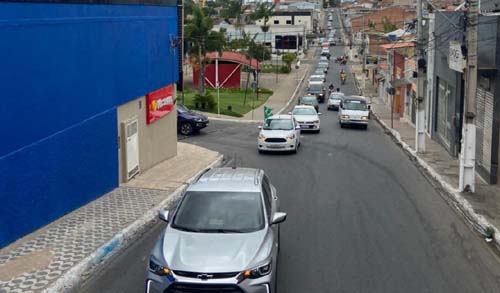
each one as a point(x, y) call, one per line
point(268, 112)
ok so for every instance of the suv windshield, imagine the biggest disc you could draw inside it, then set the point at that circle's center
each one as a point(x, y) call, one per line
point(354, 105)
point(278, 124)
point(304, 111)
point(335, 97)
point(220, 212)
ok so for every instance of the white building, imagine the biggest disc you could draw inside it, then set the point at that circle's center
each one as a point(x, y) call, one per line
point(285, 38)
point(292, 18)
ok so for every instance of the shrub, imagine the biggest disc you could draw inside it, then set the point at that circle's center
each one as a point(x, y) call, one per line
point(285, 69)
point(206, 101)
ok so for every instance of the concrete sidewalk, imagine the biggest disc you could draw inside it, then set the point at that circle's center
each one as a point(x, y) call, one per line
point(481, 209)
point(57, 257)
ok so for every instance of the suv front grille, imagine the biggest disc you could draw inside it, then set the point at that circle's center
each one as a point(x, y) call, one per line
point(194, 288)
point(208, 276)
point(275, 139)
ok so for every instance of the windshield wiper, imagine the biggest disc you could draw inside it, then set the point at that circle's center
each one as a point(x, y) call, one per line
point(186, 229)
point(221, 231)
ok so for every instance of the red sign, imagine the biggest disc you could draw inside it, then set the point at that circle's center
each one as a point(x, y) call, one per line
point(159, 103)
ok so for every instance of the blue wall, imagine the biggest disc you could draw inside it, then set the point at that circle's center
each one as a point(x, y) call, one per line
point(65, 68)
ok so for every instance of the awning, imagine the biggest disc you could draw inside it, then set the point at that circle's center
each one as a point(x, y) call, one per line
point(399, 82)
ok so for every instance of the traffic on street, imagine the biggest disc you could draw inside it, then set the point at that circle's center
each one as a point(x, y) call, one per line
point(360, 216)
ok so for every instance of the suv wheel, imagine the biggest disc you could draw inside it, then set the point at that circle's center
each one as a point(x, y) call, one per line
point(186, 128)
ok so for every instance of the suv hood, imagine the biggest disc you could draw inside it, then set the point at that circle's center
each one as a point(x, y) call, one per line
point(192, 114)
point(211, 252)
point(276, 133)
point(306, 118)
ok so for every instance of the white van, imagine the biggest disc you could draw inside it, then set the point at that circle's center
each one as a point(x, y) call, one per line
point(354, 110)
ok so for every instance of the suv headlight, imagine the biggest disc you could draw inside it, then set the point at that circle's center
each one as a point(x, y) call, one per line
point(158, 269)
point(344, 117)
point(316, 121)
point(255, 273)
point(261, 136)
point(290, 137)
point(364, 118)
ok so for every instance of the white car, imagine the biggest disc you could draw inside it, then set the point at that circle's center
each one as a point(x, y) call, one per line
point(316, 78)
point(279, 133)
point(334, 100)
point(307, 117)
point(354, 110)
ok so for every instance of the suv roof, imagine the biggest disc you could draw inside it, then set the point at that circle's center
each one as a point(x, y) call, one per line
point(229, 179)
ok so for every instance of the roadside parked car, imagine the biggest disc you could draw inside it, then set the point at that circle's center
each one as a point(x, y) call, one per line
point(279, 133)
point(223, 236)
point(318, 90)
point(309, 100)
point(189, 121)
point(307, 117)
point(334, 100)
point(354, 110)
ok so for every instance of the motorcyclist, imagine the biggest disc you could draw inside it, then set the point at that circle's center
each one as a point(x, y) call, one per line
point(331, 87)
point(343, 76)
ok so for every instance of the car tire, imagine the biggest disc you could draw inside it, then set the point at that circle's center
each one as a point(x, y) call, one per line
point(186, 128)
point(295, 150)
point(365, 127)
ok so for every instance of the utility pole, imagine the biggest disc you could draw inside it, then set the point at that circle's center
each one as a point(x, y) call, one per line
point(468, 149)
point(419, 103)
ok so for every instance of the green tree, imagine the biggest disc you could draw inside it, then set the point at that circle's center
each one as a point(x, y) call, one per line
point(288, 58)
point(388, 26)
point(259, 51)
point(234, 9)
point(263, 10)
point(202, 39)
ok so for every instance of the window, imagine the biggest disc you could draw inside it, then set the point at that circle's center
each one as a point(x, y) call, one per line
point(266, 189)
point(220, 212)
point(288, 22)
point(276, 22)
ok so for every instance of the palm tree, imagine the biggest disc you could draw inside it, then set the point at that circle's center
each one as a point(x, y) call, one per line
point(203, 39)
point(263, 10)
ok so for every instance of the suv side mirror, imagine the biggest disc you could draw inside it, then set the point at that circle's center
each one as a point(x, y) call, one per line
point(278, 218)
point(297, 127)
point(259, 127)
point(163, 215)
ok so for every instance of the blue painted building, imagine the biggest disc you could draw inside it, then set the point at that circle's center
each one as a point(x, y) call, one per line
point(66, 69)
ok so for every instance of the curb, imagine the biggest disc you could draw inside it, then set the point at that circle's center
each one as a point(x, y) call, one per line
point(478, 222)
point(234, 120)
point(294, 92)
point(120, 241)
point(279, 112)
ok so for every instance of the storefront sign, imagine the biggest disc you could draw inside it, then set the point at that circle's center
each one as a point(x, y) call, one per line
point(159, 103)
point(456, 60)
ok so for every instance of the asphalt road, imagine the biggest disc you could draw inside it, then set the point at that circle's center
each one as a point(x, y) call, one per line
point(361, 217)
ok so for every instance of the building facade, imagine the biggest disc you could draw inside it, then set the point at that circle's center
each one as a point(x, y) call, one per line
point(88, 102)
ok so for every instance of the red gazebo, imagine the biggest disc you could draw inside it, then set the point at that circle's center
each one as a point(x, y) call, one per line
point(229, 69)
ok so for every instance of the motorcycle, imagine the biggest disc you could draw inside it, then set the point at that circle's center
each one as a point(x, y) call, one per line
point(342, 79)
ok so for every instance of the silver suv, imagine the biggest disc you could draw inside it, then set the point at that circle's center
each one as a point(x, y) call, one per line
point(222, 237)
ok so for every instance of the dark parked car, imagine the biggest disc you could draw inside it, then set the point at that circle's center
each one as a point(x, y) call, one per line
point(189, 121)
point(309, 100)
point(317, 90)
